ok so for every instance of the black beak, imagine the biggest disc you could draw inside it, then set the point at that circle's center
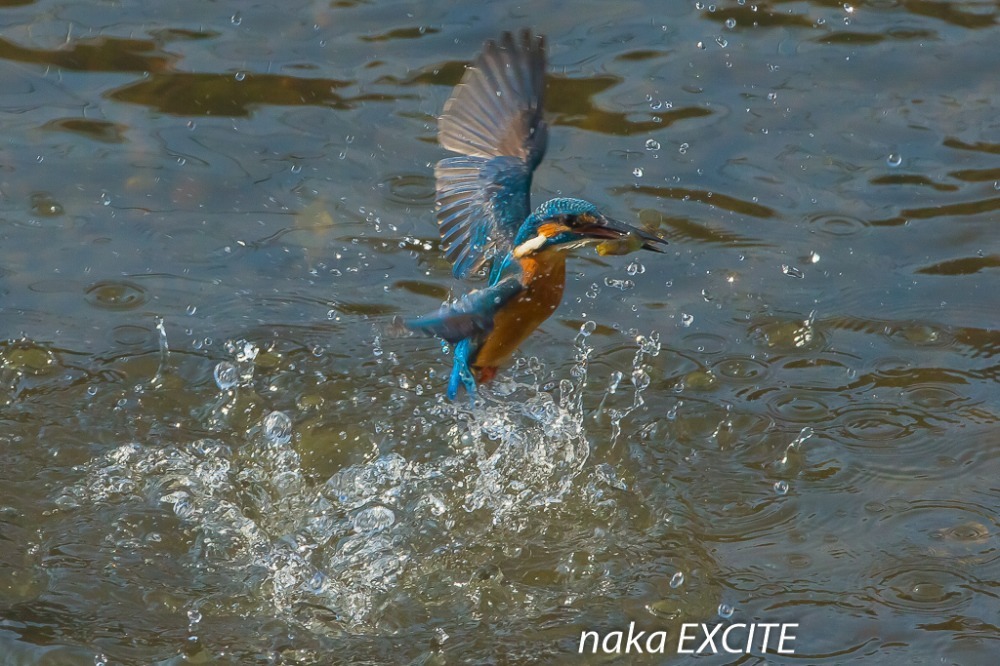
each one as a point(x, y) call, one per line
point(632, 237)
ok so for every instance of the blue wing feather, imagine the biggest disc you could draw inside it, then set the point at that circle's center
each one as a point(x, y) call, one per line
point(469, 316)
point(494, 120)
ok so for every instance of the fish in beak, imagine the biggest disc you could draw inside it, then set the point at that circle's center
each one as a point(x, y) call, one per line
point(621, 238)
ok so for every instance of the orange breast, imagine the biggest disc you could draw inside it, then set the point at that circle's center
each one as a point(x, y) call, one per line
point(544, 280)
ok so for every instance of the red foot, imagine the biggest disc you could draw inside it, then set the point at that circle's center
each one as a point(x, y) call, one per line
point(487, 374)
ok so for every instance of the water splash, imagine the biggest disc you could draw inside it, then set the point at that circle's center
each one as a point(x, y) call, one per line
point(334, 554)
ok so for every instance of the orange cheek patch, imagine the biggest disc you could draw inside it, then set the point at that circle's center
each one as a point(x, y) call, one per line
point(550, 229)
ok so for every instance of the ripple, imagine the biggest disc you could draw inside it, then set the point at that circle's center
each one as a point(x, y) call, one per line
point(837, 225)
point(798, 407)
point(923, 586)
point(27, 357)
point(116, 295)
point(919, 334)
point(410, 189)
point(705, 343)
point(741, 369)
point(130, 335)
point(877, 422)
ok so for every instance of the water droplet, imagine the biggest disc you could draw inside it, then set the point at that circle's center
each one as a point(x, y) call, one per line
point(677, 580)
point(726, 611)
point(792, 271)
point(730, 23)
point(894, 160)
point(700, 45)
point(637, 172)
point(686, 319)
point(277, 428)
point(635, 268)
point(652, 144)
point(191, 309)
point(236, 19)
point(296, 168)
point(683, 148)
point(814, 257)
point(194, 616)
point(226, 375)
point(587, 328)
point(781, 487)
point(240, 75)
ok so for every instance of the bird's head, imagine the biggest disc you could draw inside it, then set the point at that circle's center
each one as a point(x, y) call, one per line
point(563, 224)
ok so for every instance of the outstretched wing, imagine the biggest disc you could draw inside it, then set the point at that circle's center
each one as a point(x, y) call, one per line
point(470, 315)
point(494, 120)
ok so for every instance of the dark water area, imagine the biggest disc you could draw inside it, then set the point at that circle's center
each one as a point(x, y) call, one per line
point(212, 452)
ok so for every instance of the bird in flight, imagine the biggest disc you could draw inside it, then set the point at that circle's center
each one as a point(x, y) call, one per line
point(494, 121)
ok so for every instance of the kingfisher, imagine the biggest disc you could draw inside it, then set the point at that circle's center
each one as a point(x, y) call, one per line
point(494, 122)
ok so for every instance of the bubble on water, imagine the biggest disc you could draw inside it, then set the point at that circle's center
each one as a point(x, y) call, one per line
point(726, 611)
point(730, 23)
point(587, 328)
point(637, 172)
point(236, 19)
point(781, 487)
point(226, 375)
point(373, 519)
point(996, 184)
point(635, 268)
point(652, 144)
point(277, 427)
point(240, 75)
point(894, 160)
point(677, 580)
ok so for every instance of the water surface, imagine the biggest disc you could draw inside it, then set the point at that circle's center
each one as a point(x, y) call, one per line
point(212, 453)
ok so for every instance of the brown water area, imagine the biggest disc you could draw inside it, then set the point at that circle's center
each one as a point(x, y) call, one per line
point(213, 452)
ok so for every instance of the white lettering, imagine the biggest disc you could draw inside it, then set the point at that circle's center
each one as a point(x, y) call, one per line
point(633, 640)
point(614, 648)
point(684, 637)
point(584, 635)
point(786, 636)
point(709, 638)
point(767, 634)
point(662, 635)
point(725, 639)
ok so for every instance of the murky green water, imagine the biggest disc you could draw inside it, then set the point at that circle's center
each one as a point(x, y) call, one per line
point(792, 417)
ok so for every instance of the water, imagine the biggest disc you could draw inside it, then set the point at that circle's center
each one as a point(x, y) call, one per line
point(213, 453)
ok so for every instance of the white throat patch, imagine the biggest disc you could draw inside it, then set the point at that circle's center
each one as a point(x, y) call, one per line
point(529, 246)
